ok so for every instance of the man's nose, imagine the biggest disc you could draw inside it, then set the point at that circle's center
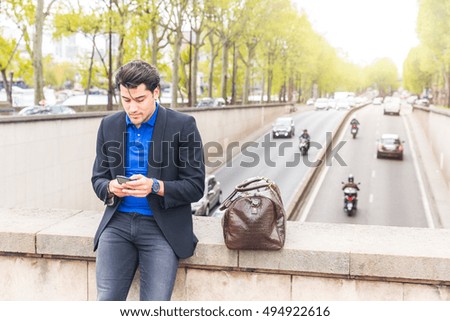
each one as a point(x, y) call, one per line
point(132, 106)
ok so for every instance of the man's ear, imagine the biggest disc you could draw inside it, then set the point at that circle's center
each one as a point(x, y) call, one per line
point(156, 93)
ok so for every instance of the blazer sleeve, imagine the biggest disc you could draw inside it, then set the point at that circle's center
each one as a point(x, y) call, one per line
point(101, 174)
point(190, 185)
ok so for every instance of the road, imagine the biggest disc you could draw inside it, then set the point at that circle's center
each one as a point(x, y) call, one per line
point(390, 191)
point(279, 159)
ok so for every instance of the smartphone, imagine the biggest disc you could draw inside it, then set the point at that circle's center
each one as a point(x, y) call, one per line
point(123, 179)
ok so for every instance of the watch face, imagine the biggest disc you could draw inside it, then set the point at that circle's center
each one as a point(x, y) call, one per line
point(155, 186)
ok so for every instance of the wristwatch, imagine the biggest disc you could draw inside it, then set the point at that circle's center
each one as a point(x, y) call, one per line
point(155, 186)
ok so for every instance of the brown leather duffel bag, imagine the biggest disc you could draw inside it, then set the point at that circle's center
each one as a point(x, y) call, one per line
point(254, 217)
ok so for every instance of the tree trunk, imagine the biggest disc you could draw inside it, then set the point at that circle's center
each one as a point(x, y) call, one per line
point(121, 50)
point(248, 72)
point(175, 66)
point(269, 77)
point(8, 86)
point(211, 65)
point(37, 53)
point(224, 76)
point(291, 88)
point(154, 45)
point(234, 76)
point(91, 63)
point(195, 67)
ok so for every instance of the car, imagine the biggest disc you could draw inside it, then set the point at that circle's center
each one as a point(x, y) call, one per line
point(377, 101)
point(60, 109)
point(283, 126)
point(342, 104)
point(80, 100)
point(392, 106)
point(46, 110)
point(321, 104)
point(411, 99)
point(310, 102)
point(332, 104)
point(34, 110)
point(422, 102)
point(211, 197)
point(390, 146)
point(211, 102)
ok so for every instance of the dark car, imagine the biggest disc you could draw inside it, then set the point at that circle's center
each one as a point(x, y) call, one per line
point(283, 127)
point(390, 146)
point(211, 197)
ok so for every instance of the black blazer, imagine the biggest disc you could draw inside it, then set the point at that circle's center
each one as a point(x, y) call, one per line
point(175, 157)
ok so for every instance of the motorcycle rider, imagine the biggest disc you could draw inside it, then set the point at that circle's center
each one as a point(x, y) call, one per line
point(306, 137)
point(351, 184)
point(355, 122)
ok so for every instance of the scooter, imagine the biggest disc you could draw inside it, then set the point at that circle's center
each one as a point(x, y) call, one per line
point(303, 146)
point(354, 130)
point(350, 200)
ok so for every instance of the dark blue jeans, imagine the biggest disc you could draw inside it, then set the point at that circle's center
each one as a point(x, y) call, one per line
point(129, 240)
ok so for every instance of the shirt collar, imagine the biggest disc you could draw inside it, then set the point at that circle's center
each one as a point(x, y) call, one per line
point(150, 122)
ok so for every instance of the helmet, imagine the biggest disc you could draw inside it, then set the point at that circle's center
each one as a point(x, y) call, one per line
point(350, 178)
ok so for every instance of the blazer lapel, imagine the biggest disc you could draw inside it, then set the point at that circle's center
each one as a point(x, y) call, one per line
point(157, 146)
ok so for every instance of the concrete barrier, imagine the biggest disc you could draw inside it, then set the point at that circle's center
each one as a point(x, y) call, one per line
point(47, 160)
point(47, 255)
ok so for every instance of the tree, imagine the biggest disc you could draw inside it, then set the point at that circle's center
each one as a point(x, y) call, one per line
point(383, 74)
point(433, 23)
point(419, 68)
point(8, 54)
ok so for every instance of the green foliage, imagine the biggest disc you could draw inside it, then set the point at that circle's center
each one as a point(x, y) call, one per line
point(418, 69)
point(56, 74)
point(383, 74)
point(271, 38)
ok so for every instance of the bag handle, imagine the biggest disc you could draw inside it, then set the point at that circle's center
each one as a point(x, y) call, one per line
point(243, 188)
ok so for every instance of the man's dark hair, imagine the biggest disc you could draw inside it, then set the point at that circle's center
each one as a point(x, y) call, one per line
point(137, 72)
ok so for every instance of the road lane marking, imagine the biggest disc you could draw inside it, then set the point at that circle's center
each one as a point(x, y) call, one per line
point(373, 173)
point(426, 204)
point(371, 198)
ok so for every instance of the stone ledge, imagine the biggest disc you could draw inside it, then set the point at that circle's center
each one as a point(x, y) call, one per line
point(333, 250)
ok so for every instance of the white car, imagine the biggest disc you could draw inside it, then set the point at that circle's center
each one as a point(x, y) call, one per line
point(342, 104)
point(321, 104)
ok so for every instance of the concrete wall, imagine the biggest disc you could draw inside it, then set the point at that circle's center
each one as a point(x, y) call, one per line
point(46, 161)
point(47, 255)
point(436, 123)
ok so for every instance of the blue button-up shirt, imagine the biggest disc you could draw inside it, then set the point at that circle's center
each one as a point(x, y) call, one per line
point(136, 161)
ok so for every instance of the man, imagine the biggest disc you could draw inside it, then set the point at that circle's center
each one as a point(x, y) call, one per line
point(354, 121)
point(147, 220)
point(306, 136)
point(350, 183)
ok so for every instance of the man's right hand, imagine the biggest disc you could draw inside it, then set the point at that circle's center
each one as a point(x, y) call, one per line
point(116, 188)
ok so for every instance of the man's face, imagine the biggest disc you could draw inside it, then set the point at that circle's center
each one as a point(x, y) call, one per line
point(139, 103)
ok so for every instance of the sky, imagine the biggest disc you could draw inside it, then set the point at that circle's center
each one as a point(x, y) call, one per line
point(365, 29)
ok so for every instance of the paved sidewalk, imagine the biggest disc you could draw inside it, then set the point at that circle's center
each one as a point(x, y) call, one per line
point(439, 193)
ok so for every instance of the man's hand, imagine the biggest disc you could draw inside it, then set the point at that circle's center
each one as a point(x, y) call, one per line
point(116, 188)
point(140, 186)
